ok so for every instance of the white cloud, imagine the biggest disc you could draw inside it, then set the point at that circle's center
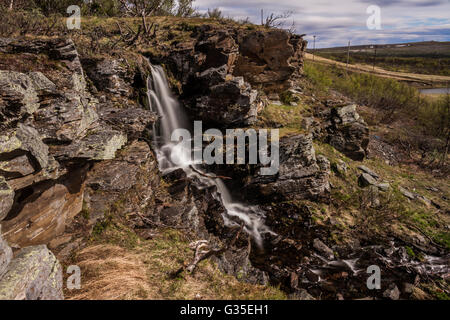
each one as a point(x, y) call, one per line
point(336, 22)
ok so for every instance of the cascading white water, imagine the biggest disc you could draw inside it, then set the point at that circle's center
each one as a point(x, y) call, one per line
point(172, 155)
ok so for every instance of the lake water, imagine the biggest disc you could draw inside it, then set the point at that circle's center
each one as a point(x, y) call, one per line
point(435, 91)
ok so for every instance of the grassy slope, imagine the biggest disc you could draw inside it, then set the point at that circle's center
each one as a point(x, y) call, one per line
point(119, 264)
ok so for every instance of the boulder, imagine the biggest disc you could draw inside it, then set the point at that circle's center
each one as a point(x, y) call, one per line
point(110, 75)
point(366, 180)
point(44, 210)
point(17, 167)
point(21, 140)
point(406, 193)
point(132, 121)
point(109, 181)
point(369, 171)
point(392, 293)
point(229, 103)
point(348, 132)
point(340, 167)
point(34, 274)
point(323, 249)
point(384, 186)
point(97, 145)
point(302, 174)
point(6, 198)
point(65, 118)
point(269, 58)
point(6, 254)
point(18, 96)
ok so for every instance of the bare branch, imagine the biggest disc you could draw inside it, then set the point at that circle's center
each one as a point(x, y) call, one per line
point(203, 252)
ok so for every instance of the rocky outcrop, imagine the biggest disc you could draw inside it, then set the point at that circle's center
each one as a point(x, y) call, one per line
point(269, 58)
point(110, 76)
point(53, 130)
point(130, 179)
point(347, 132)
point(225, 101)
point(302, 174)
point(219, 68)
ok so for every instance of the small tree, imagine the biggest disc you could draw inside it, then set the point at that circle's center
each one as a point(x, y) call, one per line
point(185, 8)
point(145, 8)
point(214, 13)
point(277, 21)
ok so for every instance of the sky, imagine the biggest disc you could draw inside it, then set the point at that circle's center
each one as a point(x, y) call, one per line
point(336, 22)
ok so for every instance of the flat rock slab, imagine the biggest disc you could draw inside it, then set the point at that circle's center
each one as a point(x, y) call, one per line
point(369, 171)
point(406, 193)
point(366, 180)
point(35, 274)
point(101, 145)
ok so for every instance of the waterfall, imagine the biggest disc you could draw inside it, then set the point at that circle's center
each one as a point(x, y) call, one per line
point(172, 156)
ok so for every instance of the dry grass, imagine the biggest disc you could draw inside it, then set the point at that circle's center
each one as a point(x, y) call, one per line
point(111, 272)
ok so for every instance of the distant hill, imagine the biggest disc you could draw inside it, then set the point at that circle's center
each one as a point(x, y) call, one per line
point(411, 49)
point(429, 57)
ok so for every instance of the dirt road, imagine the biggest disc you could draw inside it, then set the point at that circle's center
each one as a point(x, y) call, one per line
point(422, 79)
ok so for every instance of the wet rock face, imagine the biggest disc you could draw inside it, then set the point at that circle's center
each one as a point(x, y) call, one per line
point(198, 210)
point(347, 132)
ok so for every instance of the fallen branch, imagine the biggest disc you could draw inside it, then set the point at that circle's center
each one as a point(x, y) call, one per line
point(202, 252)
point(208, 176)
point(158, 224)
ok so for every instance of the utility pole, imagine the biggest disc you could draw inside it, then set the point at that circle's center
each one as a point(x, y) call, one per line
point(375, 58)
point(262, 17)
point(348, 54)
point(314, 47)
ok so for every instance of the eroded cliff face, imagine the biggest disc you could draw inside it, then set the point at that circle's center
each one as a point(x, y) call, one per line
point(53, 132)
